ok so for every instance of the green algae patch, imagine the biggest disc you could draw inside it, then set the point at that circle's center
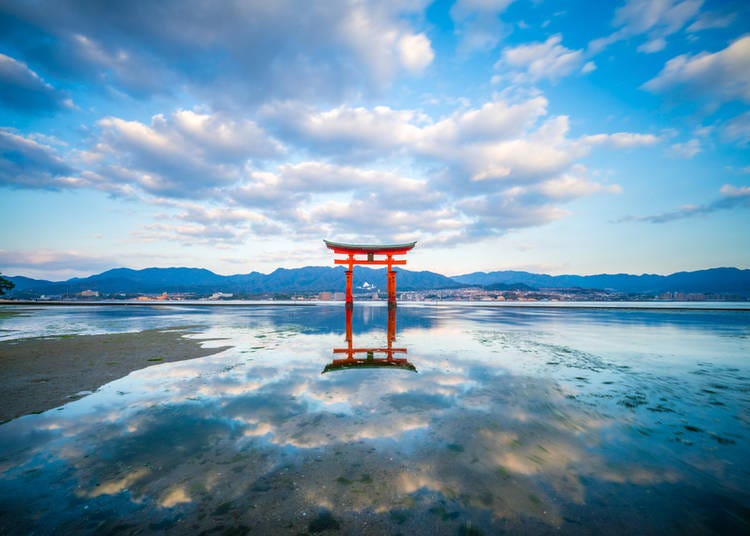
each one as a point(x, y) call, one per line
point(502, 472)
point(222, 509)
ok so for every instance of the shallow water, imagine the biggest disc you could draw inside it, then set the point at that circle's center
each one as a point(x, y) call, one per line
point(534, 420)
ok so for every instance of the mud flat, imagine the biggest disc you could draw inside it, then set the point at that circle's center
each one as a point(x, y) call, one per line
point(42, 373)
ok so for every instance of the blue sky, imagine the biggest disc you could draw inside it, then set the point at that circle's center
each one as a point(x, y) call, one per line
point(549, 136)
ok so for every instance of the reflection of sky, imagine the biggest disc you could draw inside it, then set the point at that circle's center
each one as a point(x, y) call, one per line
point(517, 420)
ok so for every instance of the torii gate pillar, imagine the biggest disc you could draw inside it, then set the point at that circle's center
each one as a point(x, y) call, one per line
point(349, 294)
point(391, 288)
point(373, 255)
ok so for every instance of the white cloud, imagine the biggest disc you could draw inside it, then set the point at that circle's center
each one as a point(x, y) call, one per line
point(571, 186)
point(43, 261)
point(535, 61)
point(622, 140)
point(28, 163)
point(731, 197)
point(498, 213)
point(686, 150)
point(181, 156)
point(24, 90)
point(499, 140)
point(588, 67)
point(734, 192)
point(737, 129)
point(368, 218)
point(380, 41)
point(722, 76)
point(495, 120)
point(416, 52)
point(478, 23)
point(709, 21)
point(311, 196)
point(665, 16)
point(294, 185)
point(315, 177)
point(223, 136)
point(654, 45)
point(344, 127)
point(218, 226)
point(131, 72)
point(544, 152)
point(656, 18)
point(252, 50)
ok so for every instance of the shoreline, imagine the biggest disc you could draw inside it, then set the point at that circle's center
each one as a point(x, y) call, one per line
point(147, 303)
point(602, 305)
point(42, 373)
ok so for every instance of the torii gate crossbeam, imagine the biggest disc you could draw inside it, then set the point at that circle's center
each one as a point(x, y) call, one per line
point(372, 254)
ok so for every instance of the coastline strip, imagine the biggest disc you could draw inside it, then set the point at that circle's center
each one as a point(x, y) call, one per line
point(7, 305)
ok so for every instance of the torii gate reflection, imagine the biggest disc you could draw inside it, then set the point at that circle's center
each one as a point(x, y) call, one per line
point(369, 360)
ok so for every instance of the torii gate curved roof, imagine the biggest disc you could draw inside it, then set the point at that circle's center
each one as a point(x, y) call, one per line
point(339, 247)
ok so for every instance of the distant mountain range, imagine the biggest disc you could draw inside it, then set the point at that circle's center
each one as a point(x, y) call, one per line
point(715, 280)
point(202, 281)
point(319, 279)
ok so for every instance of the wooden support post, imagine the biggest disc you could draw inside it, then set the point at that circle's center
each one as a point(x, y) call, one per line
point(349, 295)
point(349, 312)
point(391, 325)
point(391, 288)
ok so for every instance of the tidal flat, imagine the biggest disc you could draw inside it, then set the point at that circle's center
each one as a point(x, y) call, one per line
point(40, 373)
point(524, 420)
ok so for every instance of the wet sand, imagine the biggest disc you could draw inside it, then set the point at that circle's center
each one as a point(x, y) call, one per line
point(42, 373)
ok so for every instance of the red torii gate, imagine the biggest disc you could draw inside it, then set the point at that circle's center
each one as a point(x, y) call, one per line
point(374, 254)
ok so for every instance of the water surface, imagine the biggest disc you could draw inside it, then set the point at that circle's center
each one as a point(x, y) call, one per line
point(539, 420)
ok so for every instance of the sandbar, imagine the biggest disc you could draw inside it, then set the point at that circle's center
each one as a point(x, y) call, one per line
point(42, 373)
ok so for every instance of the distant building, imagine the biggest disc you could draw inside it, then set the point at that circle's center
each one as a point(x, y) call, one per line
point(220, 295)
point(160, 297)
point(89, 294)
point(325, 296)
point(339, 296)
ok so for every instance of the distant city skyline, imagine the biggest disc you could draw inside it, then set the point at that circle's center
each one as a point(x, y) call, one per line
point(545, 136)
